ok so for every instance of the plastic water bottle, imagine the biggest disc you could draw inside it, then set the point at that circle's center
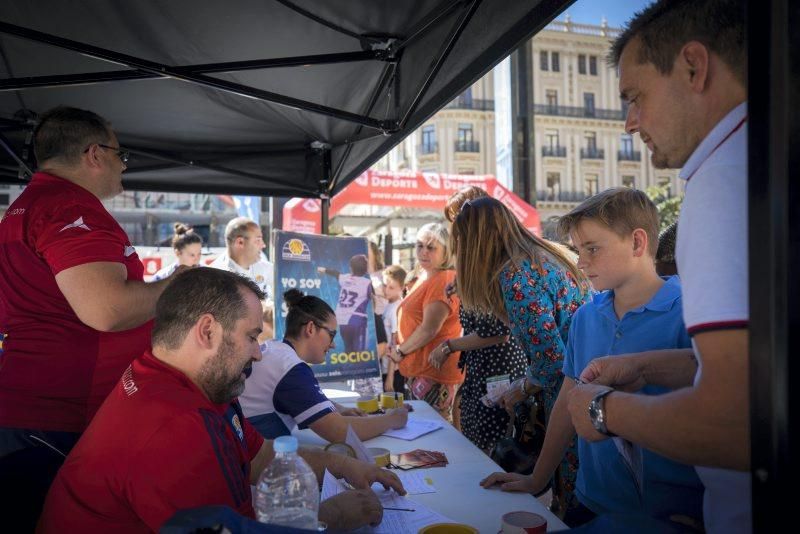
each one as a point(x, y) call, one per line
point(287, 492)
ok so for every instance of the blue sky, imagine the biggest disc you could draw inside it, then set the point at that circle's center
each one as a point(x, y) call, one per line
point(616, 12)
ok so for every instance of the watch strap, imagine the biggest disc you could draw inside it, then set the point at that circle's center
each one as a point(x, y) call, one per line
point(597, 412)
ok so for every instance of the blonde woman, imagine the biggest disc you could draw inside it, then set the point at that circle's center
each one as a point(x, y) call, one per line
point(533, 287)
point(426, 318)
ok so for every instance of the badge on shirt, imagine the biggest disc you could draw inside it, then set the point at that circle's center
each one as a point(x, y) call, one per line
point(237, 426)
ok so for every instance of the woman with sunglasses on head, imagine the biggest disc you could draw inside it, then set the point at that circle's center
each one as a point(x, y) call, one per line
point(532, 286)
point(426, 318)
point(488, 352)
point(282, 392)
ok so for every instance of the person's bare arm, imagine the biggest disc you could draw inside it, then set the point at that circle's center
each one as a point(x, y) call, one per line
point(333, 426)
point(261, 460)
point(556, 440)
point(473, 341)
point(707, 424)
point(103, 299)
point(433, 317)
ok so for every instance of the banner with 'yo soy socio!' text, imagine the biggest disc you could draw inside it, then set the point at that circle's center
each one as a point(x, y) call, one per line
point(334, 269)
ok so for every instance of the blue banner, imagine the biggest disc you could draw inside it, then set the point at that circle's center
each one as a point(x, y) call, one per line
point(330, 268)
point(249, 207)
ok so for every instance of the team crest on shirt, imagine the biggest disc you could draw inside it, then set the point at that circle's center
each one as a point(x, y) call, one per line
point(237, 426)
point(2, 338)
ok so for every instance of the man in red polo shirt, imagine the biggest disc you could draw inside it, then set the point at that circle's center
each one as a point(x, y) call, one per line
point(74, 310)
point(171, 435)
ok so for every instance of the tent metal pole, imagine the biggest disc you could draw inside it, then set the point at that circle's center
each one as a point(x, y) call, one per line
point(447, 47)
point(198, 79)
point(437, 14)
point(7, 146)
point(389, 71)
point(324, 186)
point(30, 82)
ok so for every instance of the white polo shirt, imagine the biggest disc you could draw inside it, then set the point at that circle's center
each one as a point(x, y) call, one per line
point(711, 254)
point(261, 272)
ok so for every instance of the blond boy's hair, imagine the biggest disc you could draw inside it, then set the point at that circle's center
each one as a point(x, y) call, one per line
point(396, 273)
point(620, 209)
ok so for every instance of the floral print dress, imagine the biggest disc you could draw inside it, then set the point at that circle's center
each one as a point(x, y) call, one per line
point(540, 304)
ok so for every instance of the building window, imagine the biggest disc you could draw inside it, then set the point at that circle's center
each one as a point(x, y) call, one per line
point(543, 60)
point(593, 65)
point(551, 95)
point(467, 96)
point(581, 64)
point(429, 139)
point(551, 138)
point(629, 181)
point(626, 143)
point(465, 133)
point(466, 171)
point(553, 185)
point(588, 104)
point(591, 181)
point(591, 141)
point(554, 62)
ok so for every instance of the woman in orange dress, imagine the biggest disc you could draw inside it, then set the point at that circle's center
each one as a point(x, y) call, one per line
point(426, 319)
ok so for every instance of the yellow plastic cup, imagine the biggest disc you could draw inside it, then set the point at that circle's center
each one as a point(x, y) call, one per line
point(368, 404)
point(391, 400)
point(448, 528)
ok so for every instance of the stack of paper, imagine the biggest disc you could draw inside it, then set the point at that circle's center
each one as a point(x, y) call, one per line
point(414, 429)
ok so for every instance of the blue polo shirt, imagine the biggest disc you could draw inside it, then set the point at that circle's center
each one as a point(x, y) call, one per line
point(605, 484)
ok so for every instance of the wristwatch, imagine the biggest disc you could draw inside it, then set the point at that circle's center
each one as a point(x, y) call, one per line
point(399, 352)
point(447, 348)
point(597, 412)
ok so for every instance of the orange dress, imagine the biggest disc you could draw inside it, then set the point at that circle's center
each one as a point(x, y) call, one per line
point(409, 317)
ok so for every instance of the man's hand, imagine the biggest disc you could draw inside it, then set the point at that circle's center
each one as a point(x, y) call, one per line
point(362, 475)
point(439, 355)
point(351, 510)
point(512, 482)
point(398, 417)
point(624, 372)
point(579, 398)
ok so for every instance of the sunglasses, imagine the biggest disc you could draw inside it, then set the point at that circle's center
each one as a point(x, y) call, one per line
point(123, 155)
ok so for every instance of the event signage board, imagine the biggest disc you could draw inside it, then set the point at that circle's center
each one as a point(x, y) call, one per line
point(321, 266)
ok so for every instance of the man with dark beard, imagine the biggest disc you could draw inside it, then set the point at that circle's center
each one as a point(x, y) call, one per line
point(171, 435)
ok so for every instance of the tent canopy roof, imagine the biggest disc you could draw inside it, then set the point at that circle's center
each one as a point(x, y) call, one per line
point(264, 97)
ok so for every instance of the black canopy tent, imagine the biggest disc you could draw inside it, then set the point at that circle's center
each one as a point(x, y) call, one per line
point(260, 97)
point(279, 97)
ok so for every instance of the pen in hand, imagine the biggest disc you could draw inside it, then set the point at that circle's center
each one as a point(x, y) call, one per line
point(399, 509)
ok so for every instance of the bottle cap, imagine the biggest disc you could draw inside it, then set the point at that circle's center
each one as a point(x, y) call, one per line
point(285, 444)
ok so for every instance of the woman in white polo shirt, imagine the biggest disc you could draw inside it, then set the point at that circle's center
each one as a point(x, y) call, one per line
point(282, 391)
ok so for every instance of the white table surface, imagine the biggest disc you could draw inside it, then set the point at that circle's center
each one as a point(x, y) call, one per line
point(459, 495)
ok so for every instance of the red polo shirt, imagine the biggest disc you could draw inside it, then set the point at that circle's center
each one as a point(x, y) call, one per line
point(54, 370)
point(156, 446)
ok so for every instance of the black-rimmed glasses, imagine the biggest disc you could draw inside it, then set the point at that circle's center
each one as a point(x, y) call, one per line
point(330, 332)
point(123, 155)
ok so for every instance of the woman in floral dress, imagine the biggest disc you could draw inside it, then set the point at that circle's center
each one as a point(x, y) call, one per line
point(534, 288)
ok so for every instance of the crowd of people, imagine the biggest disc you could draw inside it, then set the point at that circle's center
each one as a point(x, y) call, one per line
point(170, 392)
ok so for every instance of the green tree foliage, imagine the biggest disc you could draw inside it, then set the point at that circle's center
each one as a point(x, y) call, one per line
point(668, 205)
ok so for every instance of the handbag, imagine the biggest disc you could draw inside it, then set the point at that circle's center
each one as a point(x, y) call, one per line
point(519, 450)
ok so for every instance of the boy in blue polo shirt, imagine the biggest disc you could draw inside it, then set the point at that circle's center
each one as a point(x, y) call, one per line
point(635, 310)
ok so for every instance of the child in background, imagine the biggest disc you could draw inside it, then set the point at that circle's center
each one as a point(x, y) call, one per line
point(267, 321)
point(394, 278)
